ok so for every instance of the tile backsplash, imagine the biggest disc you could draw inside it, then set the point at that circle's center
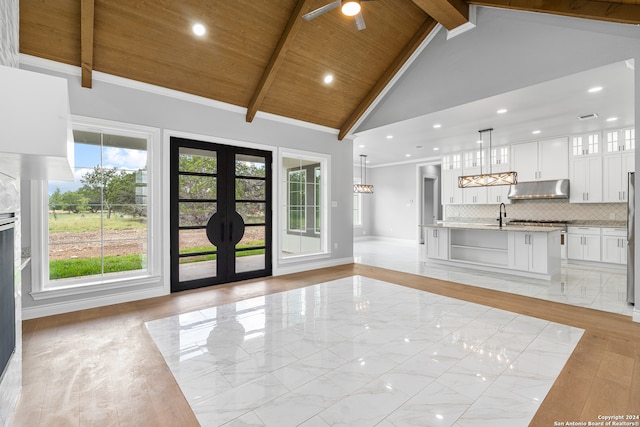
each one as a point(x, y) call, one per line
point(543, 209)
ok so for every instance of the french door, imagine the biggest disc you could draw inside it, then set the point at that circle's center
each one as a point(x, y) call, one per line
point(220, 213)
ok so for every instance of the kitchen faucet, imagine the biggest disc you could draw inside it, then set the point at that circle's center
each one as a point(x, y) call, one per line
point(500, 214)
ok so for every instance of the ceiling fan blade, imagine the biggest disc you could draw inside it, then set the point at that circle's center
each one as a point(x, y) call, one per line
point(359, 20)
point(321, 10)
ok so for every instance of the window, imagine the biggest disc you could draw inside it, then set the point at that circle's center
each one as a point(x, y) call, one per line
point(304, 211)
point(96, 229)
point(297, 200)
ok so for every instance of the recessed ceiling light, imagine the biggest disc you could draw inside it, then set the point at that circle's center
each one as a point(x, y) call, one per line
point(437, 126)
point(595, 89)
point(612, 119)
point(501, 111)
point(407, 155)
point(199, 29)
point(389, 136)
point(436, 148)
point(361, 145)
point(328, 78)
point(479, 141)
point(351, 8)
point(535, 132)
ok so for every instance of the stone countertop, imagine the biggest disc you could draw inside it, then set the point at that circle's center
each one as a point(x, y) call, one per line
point(478, 226)
point(594, 223)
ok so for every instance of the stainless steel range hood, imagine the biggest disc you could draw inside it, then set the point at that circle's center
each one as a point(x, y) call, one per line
point(554, 189)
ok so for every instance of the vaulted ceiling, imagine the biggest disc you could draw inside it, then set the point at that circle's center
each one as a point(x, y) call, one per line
point(261, 55)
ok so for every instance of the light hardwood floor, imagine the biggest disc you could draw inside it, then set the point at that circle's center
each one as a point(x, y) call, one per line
point(100, 367)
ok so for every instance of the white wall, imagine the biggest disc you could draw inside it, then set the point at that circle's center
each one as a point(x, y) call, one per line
point(110, 101)
point(394, 202)
point(508, 50)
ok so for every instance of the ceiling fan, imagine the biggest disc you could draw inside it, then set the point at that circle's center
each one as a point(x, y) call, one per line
point(349, 8)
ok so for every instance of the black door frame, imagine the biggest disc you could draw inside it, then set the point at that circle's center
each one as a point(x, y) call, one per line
point(226, 200)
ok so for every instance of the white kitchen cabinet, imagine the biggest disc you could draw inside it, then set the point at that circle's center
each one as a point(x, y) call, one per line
point(499, 163)
point(498, 194)
point(616, 168)
point(474, 195)
point(529, 251)
point(586, 179)
point(583, 243)
point(542, 160)
point(614, 245)
point(437, 243)
point(451, 193)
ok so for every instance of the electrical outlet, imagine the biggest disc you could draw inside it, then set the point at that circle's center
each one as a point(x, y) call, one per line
point(612, 216)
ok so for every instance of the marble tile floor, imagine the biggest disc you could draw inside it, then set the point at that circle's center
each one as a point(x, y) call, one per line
point(597, 287)
point(362, 352)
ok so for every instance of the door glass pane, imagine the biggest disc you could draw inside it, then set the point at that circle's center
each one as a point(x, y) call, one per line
point(198, 161)
point(197, 187)
point(250, 189)
point(250, 254)
point(194, 241)
point(197, 267)
point(247, 165)
point(252, 213)
point(195, 214)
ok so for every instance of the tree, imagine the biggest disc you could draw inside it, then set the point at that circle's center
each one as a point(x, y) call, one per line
point(109, 189)
point(55, 201)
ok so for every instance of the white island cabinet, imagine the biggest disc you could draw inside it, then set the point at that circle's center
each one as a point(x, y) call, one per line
point(437, 240)
point(532, 252)
point(520, 250)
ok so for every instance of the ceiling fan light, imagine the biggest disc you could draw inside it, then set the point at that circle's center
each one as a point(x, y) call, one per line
point(351, 7)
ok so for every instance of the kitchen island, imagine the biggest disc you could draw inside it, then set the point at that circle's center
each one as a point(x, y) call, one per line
point(530, 251)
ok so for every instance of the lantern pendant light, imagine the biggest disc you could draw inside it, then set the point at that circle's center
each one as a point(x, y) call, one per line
point(363, 187)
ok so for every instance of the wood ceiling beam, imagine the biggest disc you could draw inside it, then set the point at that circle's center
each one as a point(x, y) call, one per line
point(449, 13)
point(387, 76)
point(87, 11)
point(269, 75)
point(587, 9)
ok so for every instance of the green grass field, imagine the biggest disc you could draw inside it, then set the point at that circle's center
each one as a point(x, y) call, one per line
point(65, 222)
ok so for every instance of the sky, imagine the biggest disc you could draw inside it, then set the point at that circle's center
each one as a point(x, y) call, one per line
point(87, 156)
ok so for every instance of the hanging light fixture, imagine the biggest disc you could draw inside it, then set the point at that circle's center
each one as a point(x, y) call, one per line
point(363, 187)
point(487, 179)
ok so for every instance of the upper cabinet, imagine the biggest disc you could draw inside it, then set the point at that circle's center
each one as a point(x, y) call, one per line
point(618, 161)
point(542, 160)
point(475, 163)
point(451, 169)
point(36, 140)
point(586, 168)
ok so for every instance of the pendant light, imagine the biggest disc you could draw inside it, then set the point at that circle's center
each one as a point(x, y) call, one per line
point(487, 179)
point(363, 187)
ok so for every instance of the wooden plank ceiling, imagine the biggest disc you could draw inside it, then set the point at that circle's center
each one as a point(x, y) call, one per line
point(262, 55)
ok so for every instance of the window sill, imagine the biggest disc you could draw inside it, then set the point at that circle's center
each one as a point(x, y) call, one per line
point(95, 287)
point(304, 257)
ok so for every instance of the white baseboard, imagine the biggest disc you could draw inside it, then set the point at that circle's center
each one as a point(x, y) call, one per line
point(387, 239)
point(636, 315)
point(313, 265)
point(89, 302)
